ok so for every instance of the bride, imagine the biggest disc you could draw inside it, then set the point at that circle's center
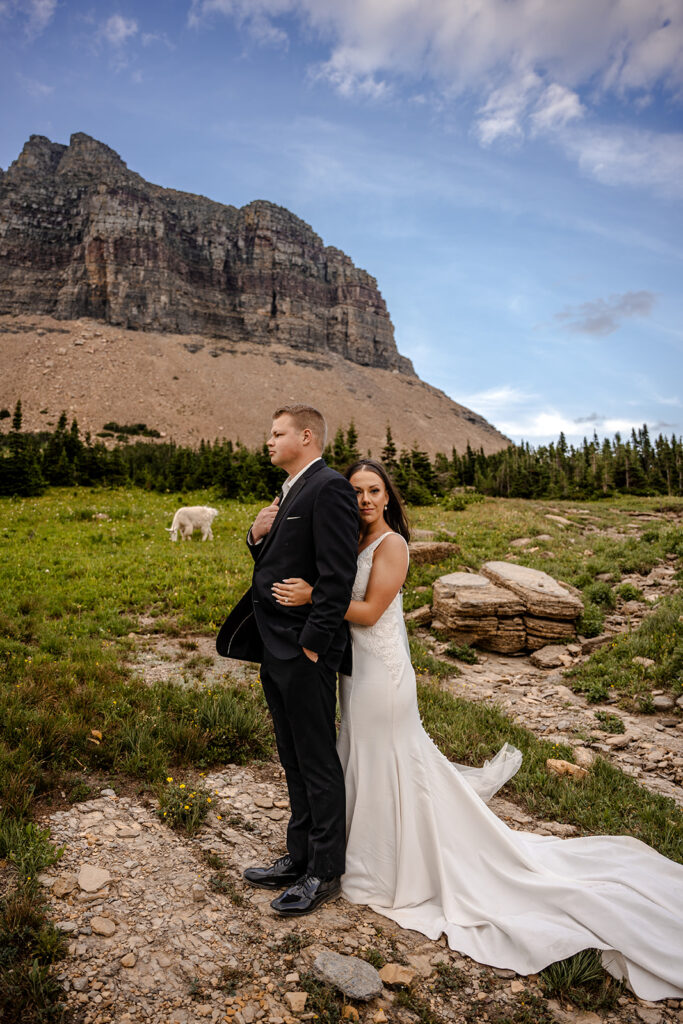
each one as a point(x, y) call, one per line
point(422, 846)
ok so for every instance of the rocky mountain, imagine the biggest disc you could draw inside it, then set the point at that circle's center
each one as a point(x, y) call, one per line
point(81, 235)
point(124, 301)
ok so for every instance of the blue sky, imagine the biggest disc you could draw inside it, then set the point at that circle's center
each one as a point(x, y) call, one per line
point(511, 171)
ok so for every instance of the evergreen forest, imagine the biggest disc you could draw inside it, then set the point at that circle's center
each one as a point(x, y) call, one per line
point(135, 455)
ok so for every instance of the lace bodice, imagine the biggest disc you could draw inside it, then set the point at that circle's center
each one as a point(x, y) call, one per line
point(387, 639)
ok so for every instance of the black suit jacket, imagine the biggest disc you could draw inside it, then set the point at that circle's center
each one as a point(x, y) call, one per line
point(314, 536)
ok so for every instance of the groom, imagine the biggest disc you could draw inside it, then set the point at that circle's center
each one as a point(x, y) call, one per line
point(310, 531)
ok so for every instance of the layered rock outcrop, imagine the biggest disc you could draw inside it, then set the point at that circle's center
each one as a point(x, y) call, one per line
point(508, 608)
point(83, 236)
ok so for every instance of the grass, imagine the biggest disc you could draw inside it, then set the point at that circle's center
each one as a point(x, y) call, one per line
point(612, 672)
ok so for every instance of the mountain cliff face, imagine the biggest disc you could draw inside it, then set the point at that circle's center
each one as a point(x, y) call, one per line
point(82, 236)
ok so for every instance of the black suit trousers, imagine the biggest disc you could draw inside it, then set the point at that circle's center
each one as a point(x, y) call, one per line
point(301, 695)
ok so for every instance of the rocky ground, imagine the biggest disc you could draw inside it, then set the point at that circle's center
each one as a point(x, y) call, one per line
point(162, 929)
point(190, 387)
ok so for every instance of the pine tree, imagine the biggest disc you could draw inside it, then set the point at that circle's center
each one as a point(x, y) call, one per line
point(389, 450)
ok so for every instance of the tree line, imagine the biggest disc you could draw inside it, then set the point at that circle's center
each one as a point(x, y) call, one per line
point(30, 462)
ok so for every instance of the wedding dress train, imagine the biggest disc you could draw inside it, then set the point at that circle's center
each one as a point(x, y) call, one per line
point(425, 850)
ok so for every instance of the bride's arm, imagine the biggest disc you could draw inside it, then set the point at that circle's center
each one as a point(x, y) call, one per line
point(389, 568)
point(387, 576)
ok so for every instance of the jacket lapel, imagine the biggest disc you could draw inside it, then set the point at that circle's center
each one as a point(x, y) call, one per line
point(289, 498)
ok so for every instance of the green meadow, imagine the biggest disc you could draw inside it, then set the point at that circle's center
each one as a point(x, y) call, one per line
point(85, 571)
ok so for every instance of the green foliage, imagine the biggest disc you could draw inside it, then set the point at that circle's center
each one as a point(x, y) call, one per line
point(592, 620)
point(463, 652)
point(183, 806)
point(610, 723)
point(556, 470)
point(29, 945)
point(600, 593)
point(611, 670)
point(582, 980)
point(323, 1000)
point(373, 956)
point(27, 847)
point(627, 592)
point(449, 978)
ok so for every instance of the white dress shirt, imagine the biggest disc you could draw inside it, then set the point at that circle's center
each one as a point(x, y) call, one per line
point(287, 485)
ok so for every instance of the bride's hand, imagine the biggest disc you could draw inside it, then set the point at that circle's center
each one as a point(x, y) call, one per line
point(293, 591)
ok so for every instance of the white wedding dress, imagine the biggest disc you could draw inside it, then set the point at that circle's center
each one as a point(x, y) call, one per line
point(425, 850)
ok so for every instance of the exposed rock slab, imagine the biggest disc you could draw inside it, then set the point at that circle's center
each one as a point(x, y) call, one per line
point(542, 595)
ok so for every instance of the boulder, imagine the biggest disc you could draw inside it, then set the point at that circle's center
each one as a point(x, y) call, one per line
point(552, 656)
point(541, 595)
point(424, 551)
point(475, 611)
point(355, 978)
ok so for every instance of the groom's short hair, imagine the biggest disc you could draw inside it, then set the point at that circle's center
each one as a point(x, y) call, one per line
point(306, 417)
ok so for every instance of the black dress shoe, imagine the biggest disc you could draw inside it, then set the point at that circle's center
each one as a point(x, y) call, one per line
point(306, 895)
point(280, 874)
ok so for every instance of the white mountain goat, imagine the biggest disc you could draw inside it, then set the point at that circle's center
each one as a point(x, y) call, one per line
point(191, 518)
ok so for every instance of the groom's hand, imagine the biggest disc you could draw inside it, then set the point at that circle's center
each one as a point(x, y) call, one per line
point(264, 520)
point(311, 655)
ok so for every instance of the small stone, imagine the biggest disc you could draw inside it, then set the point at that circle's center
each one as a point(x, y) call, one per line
point(198, 893)
point(350, 1013)
point(396, 974)
point(380, 1017)
point(103, 926)
point(80, 984)
point(645, 662)
point(129, 960)
point(663, 703)
point(550, 656)
point(265, 802)
point(649, 1014)
point(108, 792)
point(564, 725)
point(296, 1001)
point(516, 987)
point(561, 767)
point(292, 978)
point(66, 926)
point(64, 884)
point(91, 878)
point(355, 978)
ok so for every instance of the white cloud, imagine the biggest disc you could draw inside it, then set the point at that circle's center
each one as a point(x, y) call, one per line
point(40, 14)
point(38, 90)
point(493, 400)
point(629, 156)
point(118, 29)
point(36, 14)
point(529, 67)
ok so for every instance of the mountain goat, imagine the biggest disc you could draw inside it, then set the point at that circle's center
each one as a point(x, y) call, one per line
point(191, 518)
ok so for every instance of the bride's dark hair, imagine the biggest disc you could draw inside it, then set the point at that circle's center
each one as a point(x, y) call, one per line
point(395, 513)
